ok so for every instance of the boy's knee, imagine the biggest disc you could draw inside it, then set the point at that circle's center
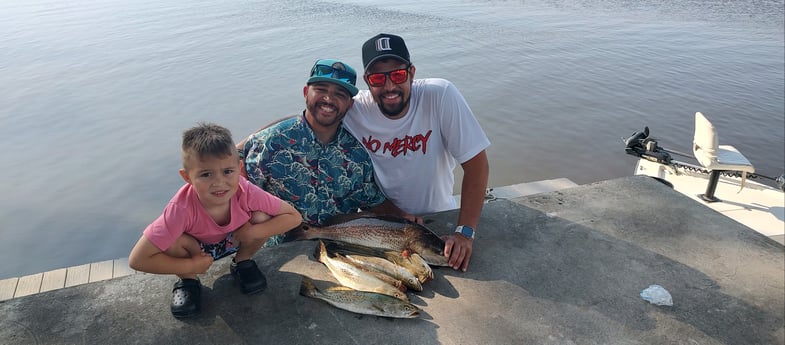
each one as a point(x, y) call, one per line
point(258, 217)
point(250, 237)
point(184, 247)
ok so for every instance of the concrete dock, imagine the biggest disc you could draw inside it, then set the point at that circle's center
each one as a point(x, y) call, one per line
point(562, 267)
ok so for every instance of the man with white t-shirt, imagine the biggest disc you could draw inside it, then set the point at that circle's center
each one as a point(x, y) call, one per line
point(415, 131)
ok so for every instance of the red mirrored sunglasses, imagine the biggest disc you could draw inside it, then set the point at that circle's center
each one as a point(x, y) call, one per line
point(397, 76)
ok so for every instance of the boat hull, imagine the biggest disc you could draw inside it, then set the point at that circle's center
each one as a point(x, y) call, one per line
point(758, 206)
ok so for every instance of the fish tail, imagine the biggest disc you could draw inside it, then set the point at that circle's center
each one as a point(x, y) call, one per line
point(307, 287)
point(298, 233)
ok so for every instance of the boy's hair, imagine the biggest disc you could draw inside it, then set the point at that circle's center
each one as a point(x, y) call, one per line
point(207, 140)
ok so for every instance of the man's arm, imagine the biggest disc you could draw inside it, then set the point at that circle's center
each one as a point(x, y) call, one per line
point(473, 186)
point(475, 180)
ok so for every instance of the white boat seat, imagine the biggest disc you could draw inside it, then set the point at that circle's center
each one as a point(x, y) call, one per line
point(716, 158)
point(713, 156)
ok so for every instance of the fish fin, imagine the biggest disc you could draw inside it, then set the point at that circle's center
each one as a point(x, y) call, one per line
point(377, 307)
point(346, 248)
point(340, 288)
point(394, 218)
point(345, 217)
point(307, 287)
point(342, 218)
point(320, 252)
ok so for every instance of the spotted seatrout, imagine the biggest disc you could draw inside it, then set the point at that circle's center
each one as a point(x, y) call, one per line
point(386, 261)
point(411, 262)
point(384, 232)
point(354, 277)
point(388, 268)
point(361, 302)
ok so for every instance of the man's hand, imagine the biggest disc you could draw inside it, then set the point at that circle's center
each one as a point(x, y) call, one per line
point(412, 218)
point(459, 249)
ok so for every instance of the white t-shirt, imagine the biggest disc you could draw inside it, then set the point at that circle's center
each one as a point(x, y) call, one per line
point(414, 156)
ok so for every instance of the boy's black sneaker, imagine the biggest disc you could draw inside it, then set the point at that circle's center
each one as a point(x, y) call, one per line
point(186, 298)
point(249, 276)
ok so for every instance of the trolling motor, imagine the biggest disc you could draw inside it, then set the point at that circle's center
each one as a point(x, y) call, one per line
point(639, 144)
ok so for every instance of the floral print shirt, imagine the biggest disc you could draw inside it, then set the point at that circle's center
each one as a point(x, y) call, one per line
point(319, 180)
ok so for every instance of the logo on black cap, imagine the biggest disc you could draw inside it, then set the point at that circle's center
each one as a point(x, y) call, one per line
point(383, 44)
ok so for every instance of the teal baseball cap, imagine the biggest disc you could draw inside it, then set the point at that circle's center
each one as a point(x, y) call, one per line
point(336, 72)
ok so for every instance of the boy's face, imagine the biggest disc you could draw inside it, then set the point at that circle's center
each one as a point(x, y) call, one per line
point(215, 179)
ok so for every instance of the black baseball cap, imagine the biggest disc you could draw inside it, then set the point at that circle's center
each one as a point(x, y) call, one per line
point(383, 46)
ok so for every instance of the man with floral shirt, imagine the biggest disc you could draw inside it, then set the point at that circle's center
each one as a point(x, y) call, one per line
point(310, 160)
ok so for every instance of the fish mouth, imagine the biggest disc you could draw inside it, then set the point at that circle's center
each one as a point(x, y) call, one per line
point(432, 252)
point(435, 259)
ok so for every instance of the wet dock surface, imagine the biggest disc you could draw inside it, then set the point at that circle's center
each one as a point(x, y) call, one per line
point(563, 267)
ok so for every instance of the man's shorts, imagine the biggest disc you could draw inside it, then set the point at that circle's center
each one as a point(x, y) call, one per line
point(221, 249)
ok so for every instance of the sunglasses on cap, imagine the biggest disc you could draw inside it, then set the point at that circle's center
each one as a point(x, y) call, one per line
point(338, 72)
point(397, 76)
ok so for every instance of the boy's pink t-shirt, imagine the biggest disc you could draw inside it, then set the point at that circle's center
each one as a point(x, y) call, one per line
point(185, 214)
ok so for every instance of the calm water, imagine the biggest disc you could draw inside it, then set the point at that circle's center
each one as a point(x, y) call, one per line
point(94, 95)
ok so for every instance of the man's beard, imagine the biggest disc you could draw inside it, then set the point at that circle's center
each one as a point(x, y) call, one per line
point(393, 110)
point(314, 110)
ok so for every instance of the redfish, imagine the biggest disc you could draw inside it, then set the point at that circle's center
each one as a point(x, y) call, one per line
point(383, 232)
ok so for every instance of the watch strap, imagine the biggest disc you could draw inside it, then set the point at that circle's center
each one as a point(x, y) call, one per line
point(465, 230)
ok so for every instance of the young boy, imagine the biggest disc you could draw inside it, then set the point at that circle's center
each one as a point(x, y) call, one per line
point(215, 214)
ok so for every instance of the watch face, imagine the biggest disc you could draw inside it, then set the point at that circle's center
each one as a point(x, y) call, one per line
point(467, 231)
